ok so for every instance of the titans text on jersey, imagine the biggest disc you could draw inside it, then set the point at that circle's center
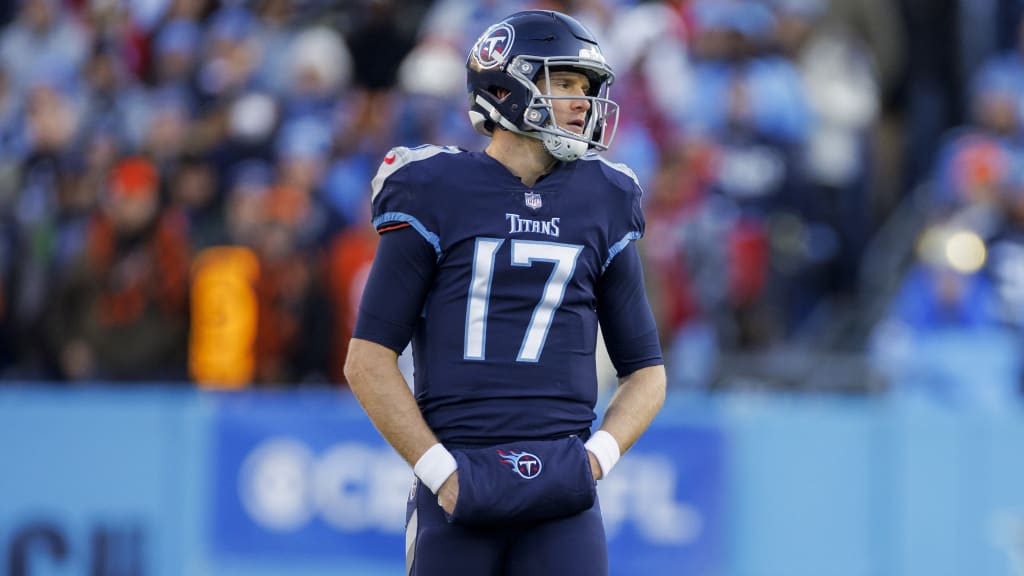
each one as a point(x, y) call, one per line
point(518, 225)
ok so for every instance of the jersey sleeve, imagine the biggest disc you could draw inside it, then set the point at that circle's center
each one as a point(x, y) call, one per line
point(627, 323)
point(395, 290)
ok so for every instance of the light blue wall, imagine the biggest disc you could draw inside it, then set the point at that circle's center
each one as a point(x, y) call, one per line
point(734, 485)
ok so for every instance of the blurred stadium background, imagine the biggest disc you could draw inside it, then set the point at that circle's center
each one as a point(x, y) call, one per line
point(835, 253)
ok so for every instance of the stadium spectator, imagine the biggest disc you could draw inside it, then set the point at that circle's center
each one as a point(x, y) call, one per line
point(176, 50)
point(43, 38)
point(120, 310)
point(193, 188)
point(292, 335)
point(977, 174)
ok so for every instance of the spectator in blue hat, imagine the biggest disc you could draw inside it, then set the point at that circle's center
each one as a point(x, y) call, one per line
point(273, 33)
point(42, 38)
point(431, 97)
point(246, 189)
point(176, 50)
point(716, 49)
point(113, 97)
point(731, 46)
point(167, 128)
point(302, 152)
point(318, 71)
point(1006, 70)
point(229, 55)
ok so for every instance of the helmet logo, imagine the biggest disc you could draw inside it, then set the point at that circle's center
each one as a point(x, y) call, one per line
point(493, 47)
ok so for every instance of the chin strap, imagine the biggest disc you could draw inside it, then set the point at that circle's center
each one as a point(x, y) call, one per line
point(562, 148)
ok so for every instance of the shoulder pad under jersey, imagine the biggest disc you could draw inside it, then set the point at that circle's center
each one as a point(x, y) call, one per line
point(401, 156)
point(617, 168)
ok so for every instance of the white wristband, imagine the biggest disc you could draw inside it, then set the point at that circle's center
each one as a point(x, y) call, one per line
point(605, 448)
point(435, 466)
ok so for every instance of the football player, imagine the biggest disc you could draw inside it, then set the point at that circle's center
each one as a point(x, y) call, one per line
point(499, 266)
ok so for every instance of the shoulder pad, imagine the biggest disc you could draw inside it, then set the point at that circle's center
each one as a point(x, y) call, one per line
point(617, 167)
point(400, 156)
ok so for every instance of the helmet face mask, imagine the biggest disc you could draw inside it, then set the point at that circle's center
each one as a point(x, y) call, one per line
point(515, 59)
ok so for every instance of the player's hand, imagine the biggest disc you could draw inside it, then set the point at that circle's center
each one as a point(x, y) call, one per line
point(595, 467)
point(448, 494)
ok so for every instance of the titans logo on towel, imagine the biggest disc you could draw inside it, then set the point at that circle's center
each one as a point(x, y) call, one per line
point(525, 464)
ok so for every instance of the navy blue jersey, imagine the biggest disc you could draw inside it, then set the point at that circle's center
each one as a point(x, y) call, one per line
point(504, 346)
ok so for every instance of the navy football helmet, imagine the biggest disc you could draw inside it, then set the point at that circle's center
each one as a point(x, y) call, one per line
point(515, 57)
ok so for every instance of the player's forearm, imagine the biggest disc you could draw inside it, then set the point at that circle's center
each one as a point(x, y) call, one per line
point(373, 375)
point(634, 405)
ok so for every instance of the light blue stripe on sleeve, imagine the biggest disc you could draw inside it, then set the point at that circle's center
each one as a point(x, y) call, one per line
point(619, 247)
point(429, 236)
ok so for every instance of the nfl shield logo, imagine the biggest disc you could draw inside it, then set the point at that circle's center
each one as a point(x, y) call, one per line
point(533, 200)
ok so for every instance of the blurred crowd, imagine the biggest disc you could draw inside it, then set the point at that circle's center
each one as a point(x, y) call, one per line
point(184, 184)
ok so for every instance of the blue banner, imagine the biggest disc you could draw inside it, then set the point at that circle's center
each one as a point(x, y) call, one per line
point(302, 479)
point(662, 504)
